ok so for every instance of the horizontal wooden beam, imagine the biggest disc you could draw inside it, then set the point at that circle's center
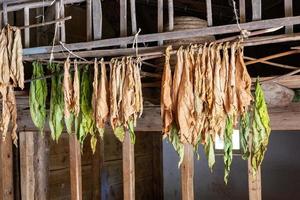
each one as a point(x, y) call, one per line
point(216, 30)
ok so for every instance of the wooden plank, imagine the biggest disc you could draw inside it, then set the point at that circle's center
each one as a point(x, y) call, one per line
point(34, 165)
point(288, 11)
point(256, 10)
point(57, 16)
point(133, 17)
point(97, 167)
point(26, 31)
point(89, 19)
point(254, 183)
point(123, 20)
point(242, 8)
point(75, 168)
point(62, 23)
point(157, 166)
point(160, 19)
point(187, 173)
point(263, 24)
point(97, 19)
point(128, 168)
point(209, 13)
point(171, 15)
point(6, 169)
point(5, 15)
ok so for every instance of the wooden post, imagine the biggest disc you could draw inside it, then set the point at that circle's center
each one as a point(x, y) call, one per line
point(242, 6)
point(63, 26)
point(123, 19)
point(75, 168)
point(5, 15)
point(97, 19)
point(57, 16)
point(128, 168)
point(187, 173)
point(133, 17)
point(160, 18)
point(34, 153)
point(89, 24)
point(209, 13)
point(26, 31)
point(254, 183)
point(288, 10)
point(6, 169)
point(97, 166)
point(171, 14)
point(256, 10)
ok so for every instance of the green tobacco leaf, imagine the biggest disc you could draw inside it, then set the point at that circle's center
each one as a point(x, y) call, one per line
point(131, 131)
point(210, 152)
point(228, 147)
point(38, 96)
point(119, 132)
point(175, 141)
point(244, 135)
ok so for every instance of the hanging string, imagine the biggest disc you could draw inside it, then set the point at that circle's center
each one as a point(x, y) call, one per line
point(244, 33)
point(77, 56)
point(135, 42)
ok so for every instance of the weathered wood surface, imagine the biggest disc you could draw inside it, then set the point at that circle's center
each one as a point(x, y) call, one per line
point(263, 24)
point(128, 168)
point(62, 23)
point(254, 183)
point(133, 17)
point(187, 173)
point(242, 8)
point(171, 15)
point(97, 19)
point(256, 10)
point(89, 20)
point(34, 151)
point(157, 166)
point(209, 13)
point(75, 168)
point(97, 167)
point(6, 169)
point(288, 11)
point(26, 32)
point(160, 19)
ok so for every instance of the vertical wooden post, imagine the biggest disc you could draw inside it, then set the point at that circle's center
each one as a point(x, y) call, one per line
point(89, 24)
point(123, 19)
point(97, 166)
point(26, 31)
point(34, 165)
point(6, 169)
point(256, 10)
point(97, 19)
point(187, 173)
point(57, 16)
point(242, 6)
point(209, 13)
point(133, 17)
point(75, 168)
point(63, 26)
point(160, 18)
point(254, 183)
point(5, 16)
point(128, 168)
point(171, 14)
point(288, 10)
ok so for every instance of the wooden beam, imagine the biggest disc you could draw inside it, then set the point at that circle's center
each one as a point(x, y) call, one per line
point(187, 173)
point(62, 23)
point(26, 32)
point(75, 168)
point(242, 8)
point(97, 19)
point(34, 165)
point(133, 17)
point(171, 15)
point(263, 24)
point(256, 10)
point(209, 13)
point(6, 169)
point(57, 16)
point(128, 168)
point(160, 19)
point(89, 20)
point(254, 183)
point(97, 167)
point(288, 11)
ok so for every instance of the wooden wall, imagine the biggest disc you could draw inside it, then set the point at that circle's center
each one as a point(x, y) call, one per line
point(147, 164)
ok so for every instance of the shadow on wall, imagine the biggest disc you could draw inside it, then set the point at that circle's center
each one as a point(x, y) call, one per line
point(280, 173)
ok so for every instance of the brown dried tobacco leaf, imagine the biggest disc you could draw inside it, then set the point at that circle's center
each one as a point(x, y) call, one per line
point(166, 98)
point(227, 88)
point(128, 108)
point(5, 118)
point(209, 77)
point(76, 91)
point(185, 106)
point(114, 115)
point(232, 85)
point(4, 60)
point(243, 82)
point(138, 88)
point(177, 79)
point(17, 68)
point(95, 90)
point(12, 106)
point(68, 90)
point(102, 101)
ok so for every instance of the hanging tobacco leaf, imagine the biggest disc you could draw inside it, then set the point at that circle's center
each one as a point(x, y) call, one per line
point(228, 147)
point(174, 139)
point(38, 96)
point(56, 115)
point(210, 151)
point(244, 135)
point(260, 128)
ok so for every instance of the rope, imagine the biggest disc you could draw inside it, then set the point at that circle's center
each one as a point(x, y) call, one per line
point(135, 42)
point(244, 33)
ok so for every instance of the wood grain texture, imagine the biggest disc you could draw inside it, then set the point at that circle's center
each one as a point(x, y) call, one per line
point(97, 167)
point(209, 13)
point(133, 17)
point(256, 10)
point(288, 11)
point(171, 15)
point(187, 173)
point(254, 183)
point(157, 167)
point(75, 168)
point(242, 9)
point(128, 168)
point(26, 31)
point(160, 19)
point(6, 169)
point(97, 19)
point(62, 23)
point(89, 20)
